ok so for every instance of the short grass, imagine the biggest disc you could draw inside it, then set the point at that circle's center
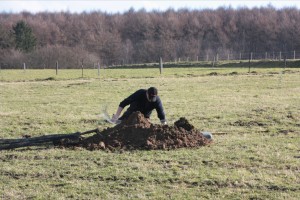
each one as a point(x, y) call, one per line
point(254, 118)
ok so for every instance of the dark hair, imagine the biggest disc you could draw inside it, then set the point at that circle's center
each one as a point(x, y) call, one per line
point(152, 91)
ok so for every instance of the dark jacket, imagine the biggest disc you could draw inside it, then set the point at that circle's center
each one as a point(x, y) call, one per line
point(138, 102)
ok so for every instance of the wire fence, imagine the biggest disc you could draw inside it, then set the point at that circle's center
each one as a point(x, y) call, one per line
point(208, 59)
point(242, 56)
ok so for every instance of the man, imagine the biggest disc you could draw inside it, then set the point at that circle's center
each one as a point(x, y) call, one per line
point(144, 101)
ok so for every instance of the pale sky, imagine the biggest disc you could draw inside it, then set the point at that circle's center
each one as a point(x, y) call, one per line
point(114, 6)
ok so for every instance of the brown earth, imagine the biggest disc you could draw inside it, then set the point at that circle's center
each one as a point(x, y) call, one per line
point(138, 133)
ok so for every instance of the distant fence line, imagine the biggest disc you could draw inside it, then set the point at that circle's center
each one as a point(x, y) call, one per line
point(208, 57)
point(281, 55)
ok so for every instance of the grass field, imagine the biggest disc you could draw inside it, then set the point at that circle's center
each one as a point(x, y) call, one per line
point(254, 118)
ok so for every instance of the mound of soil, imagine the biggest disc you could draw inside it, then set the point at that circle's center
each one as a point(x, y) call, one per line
point(138, 133)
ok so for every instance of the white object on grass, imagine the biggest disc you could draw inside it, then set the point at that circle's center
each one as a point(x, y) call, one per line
point(207, 135)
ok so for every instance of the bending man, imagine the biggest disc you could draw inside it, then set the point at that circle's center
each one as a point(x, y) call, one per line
point(144, 101)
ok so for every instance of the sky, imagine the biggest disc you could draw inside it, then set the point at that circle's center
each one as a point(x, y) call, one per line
point(120, 6)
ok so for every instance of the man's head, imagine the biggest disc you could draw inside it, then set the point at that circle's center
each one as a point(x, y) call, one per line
point(152, 94)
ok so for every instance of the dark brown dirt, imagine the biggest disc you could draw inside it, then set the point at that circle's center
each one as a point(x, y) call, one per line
point(138, 133)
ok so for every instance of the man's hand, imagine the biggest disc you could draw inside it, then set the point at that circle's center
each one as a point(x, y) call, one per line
point(114, 118)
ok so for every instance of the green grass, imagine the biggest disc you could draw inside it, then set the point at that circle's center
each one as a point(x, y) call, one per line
point(254, 118)
point(151, 70)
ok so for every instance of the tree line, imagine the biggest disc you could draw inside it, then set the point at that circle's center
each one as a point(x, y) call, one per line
point(139, 36)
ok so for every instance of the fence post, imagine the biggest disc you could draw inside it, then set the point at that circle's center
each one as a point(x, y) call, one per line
point(160, 65)
point(240, 56)
point(197, 58)
point(206, 57)
point(99, 69)
point(280, 56)
point(217, 59)
point(213, 64)
point(294, 55)
point(266, 55)
point(82, 68)
point(284, 63)
point(249, 65)
point(24, 67)
point(228, 57)
point(56, 67)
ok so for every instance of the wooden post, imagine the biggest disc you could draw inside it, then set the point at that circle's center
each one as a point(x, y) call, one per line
point(56, 67)
point(280, 56)
point(294, 55)
point(160, 65)
point(240, 56)
point(99, 69)
point(228, 57)
point(266, 55)
point(284, 62)
point(213, 64)
point(197, 59)
point(82, 68)
point(24, 67)
point(250, 58)
point(251, 55)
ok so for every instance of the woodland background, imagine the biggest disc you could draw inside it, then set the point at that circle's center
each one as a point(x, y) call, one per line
point(43, 38)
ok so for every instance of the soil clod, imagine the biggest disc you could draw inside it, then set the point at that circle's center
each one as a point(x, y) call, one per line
point(138, 133)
